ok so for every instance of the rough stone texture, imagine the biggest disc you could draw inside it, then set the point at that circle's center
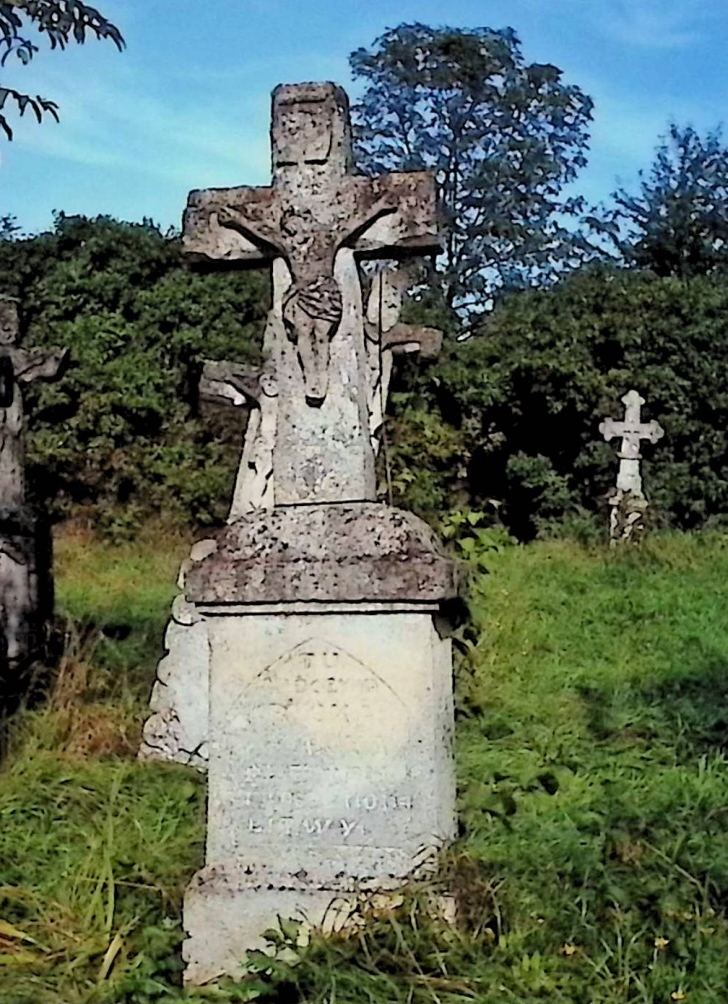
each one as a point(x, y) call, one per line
point(254, 486)
point(228, 907)
point(387, 337)
point(628, 503)
point(311, 619)
point(330, 768)
point(178, 727)
point(313, 222)
point(26, 593)
point(17, 367)
point(329, 554)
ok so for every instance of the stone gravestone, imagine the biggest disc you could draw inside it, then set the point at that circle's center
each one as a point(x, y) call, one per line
point(25, 584)
point(628, 503)
point(319, 611)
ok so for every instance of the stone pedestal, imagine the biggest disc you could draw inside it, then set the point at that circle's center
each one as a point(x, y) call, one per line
point(330, 719)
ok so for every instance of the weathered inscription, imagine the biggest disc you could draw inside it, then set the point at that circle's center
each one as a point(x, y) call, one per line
point(321, 751)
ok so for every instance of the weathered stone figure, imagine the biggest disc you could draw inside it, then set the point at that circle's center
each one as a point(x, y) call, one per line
point(628, 503)
point(24, 585)
point(313, 223)
point(387, 337)
point(309, 630)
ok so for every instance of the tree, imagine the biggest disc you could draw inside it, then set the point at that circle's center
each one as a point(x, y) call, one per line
point(60, 22)
point(8, 227)
point(512, 415)
point(677, 222)
point(503, 136)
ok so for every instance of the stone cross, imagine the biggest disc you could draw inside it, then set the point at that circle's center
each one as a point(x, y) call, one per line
point(308, 664)
point(24, 546)
point(17, 368)
point(628, 502)
point(313, 223)
point(632, 430)
point(385, 337)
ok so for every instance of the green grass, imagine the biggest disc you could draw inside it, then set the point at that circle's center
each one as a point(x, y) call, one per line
point(593, 862)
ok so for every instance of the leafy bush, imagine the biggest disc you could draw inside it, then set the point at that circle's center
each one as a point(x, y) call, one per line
point(121, 431)
point(510, 418)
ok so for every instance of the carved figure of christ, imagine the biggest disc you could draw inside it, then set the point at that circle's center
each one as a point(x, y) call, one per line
point(313, 223)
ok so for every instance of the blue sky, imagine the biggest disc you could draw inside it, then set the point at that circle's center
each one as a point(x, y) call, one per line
point(186, 105)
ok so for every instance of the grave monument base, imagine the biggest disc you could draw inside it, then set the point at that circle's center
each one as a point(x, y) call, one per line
point(330, 719)
point(227, 910)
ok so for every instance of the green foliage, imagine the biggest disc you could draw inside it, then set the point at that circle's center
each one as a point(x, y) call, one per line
point(503, 136)
point(61, 22)
point(592, 865)
point(512, 416)
point(677, 222)
point(122, 429)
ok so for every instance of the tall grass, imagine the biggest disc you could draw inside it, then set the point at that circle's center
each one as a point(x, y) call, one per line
point(592, 866)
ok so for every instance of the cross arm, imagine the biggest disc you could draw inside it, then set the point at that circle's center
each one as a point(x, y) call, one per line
point(404, 338)
point(231, 225)
point(653, 432)
point(609, 428)
point(226, 381)
point(398, 215)
point(39, 364)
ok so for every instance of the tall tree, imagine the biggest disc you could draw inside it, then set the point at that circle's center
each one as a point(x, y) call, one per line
point(504, 137)
point(676, 224)
point(59, 22)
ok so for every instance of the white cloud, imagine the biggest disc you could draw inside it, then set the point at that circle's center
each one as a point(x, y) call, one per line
point(652, 24)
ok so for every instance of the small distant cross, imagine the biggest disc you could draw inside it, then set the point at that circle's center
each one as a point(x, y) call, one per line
point(628, 504)
point(632, 430)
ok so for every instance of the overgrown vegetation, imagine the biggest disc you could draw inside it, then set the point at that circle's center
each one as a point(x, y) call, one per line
point(592, 866)
point(508, 422)
point(120, 436)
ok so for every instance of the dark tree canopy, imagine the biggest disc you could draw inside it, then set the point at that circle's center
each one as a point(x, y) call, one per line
point(503, 136)
point(512, 416)
point(59, 22)
point(676, 224)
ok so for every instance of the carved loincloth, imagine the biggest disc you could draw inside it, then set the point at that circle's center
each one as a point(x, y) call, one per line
point(319, 299)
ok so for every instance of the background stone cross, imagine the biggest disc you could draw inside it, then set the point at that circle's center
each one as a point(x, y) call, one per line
point(633, 431)
point(17, 367)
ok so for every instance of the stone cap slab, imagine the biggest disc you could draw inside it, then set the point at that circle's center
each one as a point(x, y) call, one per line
point(345, 553)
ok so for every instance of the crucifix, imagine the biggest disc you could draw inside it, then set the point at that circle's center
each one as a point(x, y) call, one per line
point(314, 223)
point(628, 502)
point(18, 367)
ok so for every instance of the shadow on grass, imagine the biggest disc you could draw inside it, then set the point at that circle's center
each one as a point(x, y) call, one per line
point(688, 711)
